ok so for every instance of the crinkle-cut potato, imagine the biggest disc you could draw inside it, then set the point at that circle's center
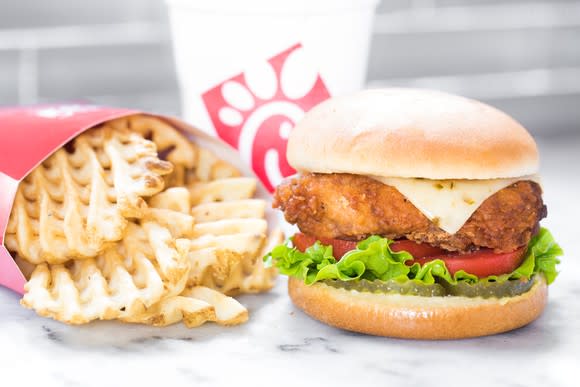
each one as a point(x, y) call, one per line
point(222, 190)
point(256, 277)
point(234, 272)
point(244, 208)
point(231, 238)
point(172, 145)
point(77, 202)
point(191, 163)
point(227, 246)
point(123, 281)
point(194, 306)
point(100, 238)
point(209, 167)
point(175, 198)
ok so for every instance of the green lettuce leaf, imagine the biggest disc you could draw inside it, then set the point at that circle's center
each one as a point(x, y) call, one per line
point(373, 260)
point(543, 251)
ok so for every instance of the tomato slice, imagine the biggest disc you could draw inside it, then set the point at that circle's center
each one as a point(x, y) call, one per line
point(341, 247)
point(481, 263)
point(417, 250)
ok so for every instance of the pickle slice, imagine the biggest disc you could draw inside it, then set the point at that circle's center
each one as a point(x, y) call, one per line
point(409, 287)
point(509, 288)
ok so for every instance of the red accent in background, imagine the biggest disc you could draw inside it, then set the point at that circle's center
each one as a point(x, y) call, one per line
point(270, 139)
point(267, 137)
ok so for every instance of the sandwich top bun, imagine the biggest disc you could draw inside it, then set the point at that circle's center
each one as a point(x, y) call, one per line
point(411, 133)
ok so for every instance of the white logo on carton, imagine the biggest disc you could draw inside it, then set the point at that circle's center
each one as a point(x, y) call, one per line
point(63, 111)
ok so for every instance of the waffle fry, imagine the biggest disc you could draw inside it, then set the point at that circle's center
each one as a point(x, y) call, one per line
point(222, 190)
point(225, 250)
point(246, 208)
point(176, 199)
point(77, 202)
point(161, 238)
point(191, 163)
point(209, 167)
point(195, 306)
point(99, 238)
point(172, 145)
point(123, 281)
point(257, 277)
point(233, 272)
point(229, 237)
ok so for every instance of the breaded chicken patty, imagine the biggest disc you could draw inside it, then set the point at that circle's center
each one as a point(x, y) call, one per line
point(352, 207)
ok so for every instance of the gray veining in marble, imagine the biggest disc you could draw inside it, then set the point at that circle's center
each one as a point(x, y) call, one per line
point(281, 346)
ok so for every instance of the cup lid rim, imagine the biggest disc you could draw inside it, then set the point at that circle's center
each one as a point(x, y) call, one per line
point(273, 6)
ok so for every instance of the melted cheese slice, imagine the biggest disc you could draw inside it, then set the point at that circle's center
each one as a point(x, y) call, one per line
point(449, 203)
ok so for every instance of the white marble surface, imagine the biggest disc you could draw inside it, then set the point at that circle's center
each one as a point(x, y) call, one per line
point(281, 346)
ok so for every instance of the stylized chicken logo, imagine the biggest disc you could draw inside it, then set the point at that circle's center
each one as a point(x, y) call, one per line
point(256, 110)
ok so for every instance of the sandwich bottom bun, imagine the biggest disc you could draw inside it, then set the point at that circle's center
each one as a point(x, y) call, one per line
point(414, 317)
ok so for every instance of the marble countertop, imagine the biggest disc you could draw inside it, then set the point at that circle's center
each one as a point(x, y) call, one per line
point(283, 347)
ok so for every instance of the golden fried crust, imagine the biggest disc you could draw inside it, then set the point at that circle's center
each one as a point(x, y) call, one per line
point(414, 317)
point(352, 207)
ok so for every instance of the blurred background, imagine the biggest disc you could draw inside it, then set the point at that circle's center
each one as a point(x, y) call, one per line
point(522, 56)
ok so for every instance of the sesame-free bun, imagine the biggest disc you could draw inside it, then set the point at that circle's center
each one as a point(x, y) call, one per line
point(414, 317)
point(411, 133)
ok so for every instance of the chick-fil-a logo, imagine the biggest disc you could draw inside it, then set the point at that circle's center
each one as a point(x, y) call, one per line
point(255, 111)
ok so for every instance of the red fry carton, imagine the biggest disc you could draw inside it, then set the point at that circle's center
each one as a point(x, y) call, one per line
point(29, 135)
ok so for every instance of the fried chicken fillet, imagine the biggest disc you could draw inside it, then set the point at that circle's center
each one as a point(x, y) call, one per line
point(352, 207)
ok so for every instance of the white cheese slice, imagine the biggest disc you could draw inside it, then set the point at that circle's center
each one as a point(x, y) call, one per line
point(449, 203)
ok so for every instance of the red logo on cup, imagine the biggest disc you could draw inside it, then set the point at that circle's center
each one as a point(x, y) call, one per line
point(255, 111)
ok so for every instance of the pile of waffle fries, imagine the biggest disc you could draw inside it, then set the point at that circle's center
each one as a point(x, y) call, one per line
point(133, 221)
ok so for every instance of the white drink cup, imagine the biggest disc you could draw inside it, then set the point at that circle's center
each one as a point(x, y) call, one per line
point(217, 39)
